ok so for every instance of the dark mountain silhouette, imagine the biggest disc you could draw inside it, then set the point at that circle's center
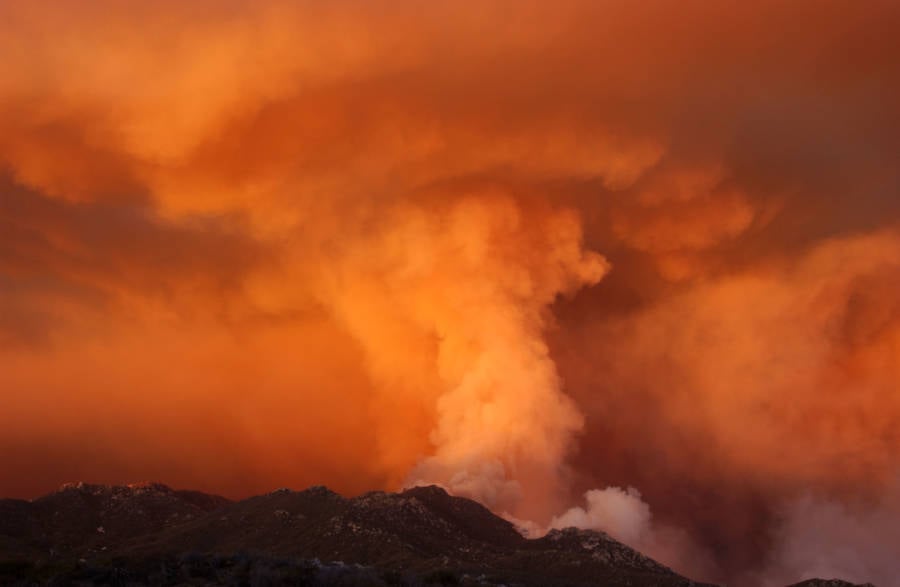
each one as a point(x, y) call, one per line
point(828, 583)
point(151, 534)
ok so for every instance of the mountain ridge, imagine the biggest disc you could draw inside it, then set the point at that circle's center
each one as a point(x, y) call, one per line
point(136, 534)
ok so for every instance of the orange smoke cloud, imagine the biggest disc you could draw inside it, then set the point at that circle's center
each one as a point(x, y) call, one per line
point(449, 304)
point(524, 251)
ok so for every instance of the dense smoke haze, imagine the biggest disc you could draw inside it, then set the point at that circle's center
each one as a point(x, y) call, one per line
point(632, 266)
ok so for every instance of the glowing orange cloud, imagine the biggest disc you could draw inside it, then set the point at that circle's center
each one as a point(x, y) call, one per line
point(526, 251)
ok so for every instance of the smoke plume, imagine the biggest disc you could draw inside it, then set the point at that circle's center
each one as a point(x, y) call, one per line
point(533, 252)
point(465, 289)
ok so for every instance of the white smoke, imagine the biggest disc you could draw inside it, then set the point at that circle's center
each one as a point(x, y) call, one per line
point(625, 516)
point(621, 513)
point(825, 538)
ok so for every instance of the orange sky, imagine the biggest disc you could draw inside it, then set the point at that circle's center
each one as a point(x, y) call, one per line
point(246, 245)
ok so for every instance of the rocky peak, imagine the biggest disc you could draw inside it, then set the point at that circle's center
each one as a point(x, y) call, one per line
point(829, 583)
point(113, 491)
point(602, 547)
point(422, 531)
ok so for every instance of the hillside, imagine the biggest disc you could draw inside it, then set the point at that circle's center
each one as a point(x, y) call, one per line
point(149, 534)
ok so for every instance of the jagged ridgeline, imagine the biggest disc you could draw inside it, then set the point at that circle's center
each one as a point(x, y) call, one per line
point(149, 534)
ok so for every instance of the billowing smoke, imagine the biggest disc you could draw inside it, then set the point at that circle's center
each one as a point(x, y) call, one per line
point(619, 512)
point(629, 266)
point(826, 538)
point(465, 290)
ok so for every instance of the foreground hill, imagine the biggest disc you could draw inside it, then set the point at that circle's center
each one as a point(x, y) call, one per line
point(151, 534)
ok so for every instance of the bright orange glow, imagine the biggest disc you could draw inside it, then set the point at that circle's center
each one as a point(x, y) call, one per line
point(519, 249)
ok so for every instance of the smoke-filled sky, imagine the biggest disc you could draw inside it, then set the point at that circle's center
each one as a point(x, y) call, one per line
point(526, 250)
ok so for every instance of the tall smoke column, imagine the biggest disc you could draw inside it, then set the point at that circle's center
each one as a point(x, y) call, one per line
point(341, 225)
point(468, 286)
